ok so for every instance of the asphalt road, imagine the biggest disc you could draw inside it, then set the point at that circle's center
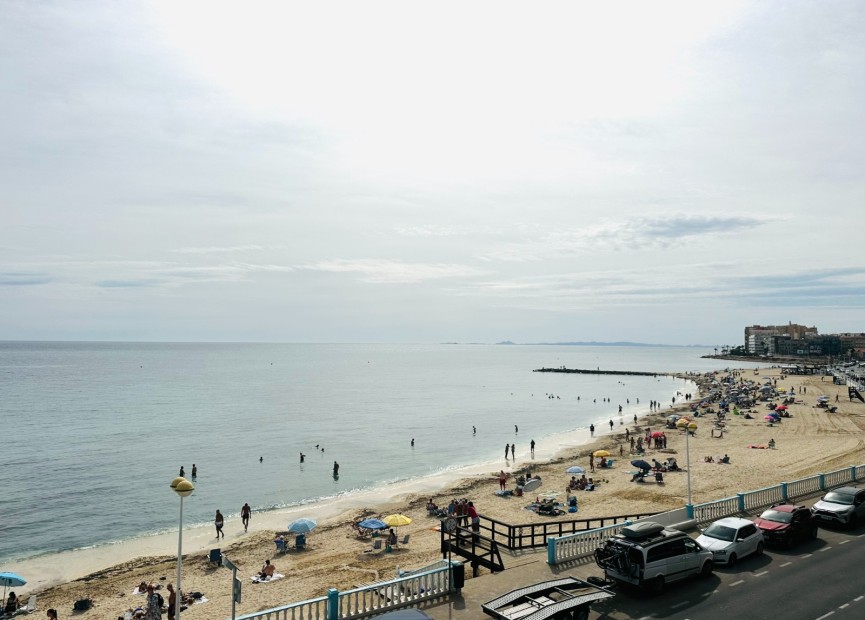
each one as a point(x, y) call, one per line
point(819, 579)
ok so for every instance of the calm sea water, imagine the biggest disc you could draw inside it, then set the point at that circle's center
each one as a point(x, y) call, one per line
point(93, 432)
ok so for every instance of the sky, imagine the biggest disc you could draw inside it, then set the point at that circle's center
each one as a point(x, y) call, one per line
point(660, 172)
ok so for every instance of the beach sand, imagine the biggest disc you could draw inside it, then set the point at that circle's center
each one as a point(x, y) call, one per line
point(810, 442)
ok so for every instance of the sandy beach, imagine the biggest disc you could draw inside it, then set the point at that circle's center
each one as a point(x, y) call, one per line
point(810, 441)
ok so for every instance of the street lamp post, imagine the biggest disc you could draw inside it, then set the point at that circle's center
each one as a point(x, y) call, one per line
point(183, 488)
point(690, 428)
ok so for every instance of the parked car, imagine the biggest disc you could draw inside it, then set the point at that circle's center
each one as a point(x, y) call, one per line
point(648, 555)
point(845, 506)
point(732, 539)
point(786, 524)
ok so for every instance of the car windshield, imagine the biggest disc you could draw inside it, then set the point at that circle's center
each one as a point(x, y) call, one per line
point(779, 517)
point(721, 532)
point(838, 498)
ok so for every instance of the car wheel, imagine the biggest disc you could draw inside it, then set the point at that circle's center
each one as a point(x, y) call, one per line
point(582, 613)
point(731, 561)
point(656, 586)
point(853, 521)
point(709, 567)
point(813, 533)
point(760, 548)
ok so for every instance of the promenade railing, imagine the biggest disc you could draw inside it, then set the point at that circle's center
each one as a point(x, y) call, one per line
point(578, 545)
point(410, 589)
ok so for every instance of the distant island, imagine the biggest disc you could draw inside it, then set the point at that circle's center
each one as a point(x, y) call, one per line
point(593, 343)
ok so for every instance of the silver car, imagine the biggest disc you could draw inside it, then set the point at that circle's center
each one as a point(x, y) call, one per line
point(844, 506)
point(732, 539)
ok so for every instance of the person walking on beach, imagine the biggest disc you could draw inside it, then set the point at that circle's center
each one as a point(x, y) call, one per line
point(611, 425)
point(245, 513)
point(507, 447)
point(219, 522)
point(502, 479)
point(172, 601)
point(592, 462)
point(532, 447)
point(592, 430)
point(154, 609)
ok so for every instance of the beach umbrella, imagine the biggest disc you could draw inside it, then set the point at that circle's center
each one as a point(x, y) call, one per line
point(576, 469)
point(770, 418)
point(641, 464)
point(531, 485)
point(373, 524)
point(781, 408)
point(396, 520)
point(302, 526)
point(657, 434)
point(600, 453)
point(11, 580)
point(682, 422)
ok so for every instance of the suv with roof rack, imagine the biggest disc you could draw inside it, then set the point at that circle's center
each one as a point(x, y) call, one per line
point(648, 555)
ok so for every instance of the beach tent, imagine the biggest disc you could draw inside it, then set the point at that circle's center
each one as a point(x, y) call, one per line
point(576, 469)
point(11, 580)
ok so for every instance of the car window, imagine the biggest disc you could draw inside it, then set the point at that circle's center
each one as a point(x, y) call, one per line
point(779, 517)
point(690, 546)
point(838, 498)
point(721, 532)
point(747, 531)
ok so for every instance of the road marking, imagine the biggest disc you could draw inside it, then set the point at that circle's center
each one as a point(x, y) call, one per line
point(825, 615)
point(844, 605)
point(858, 598)
point(682, 604)
point(760, 574)
point(825, 549)
point(785, 564)
point(843, 542)
point(705, 594)
point(736, 583)
point(807, 555)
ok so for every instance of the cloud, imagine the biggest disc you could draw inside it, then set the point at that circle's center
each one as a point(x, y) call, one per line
point(377, 271)
point(23, 279)
point(636, 233)
point(220, 249)
point(127, 283)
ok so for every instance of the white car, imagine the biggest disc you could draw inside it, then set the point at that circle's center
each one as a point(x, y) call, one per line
point(732, 539)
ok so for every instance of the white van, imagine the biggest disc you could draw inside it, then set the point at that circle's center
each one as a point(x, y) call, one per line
point(649, 556)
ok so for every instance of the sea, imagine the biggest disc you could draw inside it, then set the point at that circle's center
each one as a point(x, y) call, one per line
point(94, 432)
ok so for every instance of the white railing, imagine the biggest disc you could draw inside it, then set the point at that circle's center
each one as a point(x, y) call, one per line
point(578, 545)
point(761, 497)
point(401, 592)
point(313, 609)
point(581, 544)
point(803, 487)
point(718, 509)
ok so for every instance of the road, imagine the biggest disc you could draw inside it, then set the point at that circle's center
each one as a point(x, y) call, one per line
point(817, 580)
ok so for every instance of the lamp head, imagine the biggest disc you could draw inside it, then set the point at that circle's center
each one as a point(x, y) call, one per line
point(184, 488)
point(177, 481)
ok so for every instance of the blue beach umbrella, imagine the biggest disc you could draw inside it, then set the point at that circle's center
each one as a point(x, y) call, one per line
point(640, 464)
point(11, 580)
point(302, 526)
point(373, 524)
point(576, 469)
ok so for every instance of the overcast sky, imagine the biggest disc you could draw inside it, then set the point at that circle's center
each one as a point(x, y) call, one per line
point(662, 172)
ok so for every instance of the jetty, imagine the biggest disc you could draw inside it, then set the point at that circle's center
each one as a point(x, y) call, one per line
point(586, 371)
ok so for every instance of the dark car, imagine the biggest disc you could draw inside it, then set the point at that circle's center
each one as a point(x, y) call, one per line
point(786, 524)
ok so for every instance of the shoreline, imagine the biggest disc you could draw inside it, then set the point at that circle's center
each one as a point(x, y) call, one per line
point(55, 568)
point(811, 441)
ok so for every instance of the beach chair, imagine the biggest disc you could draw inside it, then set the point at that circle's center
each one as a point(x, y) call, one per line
point(216, 557)
point(281, 547)
point(404, 540)
point(376, 546)
point(300, 542)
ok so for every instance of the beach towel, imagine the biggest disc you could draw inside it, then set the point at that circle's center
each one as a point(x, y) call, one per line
point(758, 447)
point(257, 579)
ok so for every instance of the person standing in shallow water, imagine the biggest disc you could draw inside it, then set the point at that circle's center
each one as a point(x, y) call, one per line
point(194, 470)
point(513, 452)
point(532, 447)
point(335, 469)
point(507, 447)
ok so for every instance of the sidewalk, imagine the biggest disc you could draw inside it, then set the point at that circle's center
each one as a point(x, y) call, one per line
point(522, 569)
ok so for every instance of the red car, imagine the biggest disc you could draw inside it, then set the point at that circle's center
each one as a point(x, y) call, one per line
point(787, 524)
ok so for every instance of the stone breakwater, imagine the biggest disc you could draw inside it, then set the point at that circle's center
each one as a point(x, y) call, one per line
point(585, 371)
